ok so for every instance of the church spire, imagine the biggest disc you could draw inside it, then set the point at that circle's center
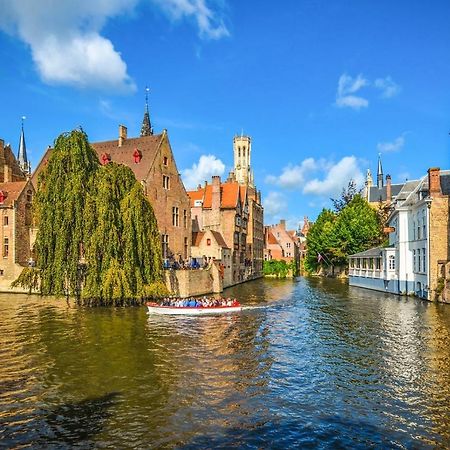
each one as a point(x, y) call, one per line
point(22, 154)
point(379, 173)
point(146, 128)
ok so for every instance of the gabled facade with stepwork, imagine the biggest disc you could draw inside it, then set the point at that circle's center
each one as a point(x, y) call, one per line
point(280, 243)
point(243, 174)
point(151, 159)
point(224, 208)
point(417, 261)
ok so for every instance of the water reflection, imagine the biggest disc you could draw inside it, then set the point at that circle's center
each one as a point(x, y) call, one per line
point(314, 363)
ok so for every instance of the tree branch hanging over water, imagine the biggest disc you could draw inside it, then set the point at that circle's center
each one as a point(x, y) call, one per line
point(97, 236)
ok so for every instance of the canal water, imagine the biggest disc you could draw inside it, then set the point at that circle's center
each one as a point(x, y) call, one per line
point(313, 364)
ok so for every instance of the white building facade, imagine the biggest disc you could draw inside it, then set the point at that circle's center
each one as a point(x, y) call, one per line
point(403, 266)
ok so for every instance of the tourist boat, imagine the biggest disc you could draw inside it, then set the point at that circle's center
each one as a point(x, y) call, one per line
point(155, 308)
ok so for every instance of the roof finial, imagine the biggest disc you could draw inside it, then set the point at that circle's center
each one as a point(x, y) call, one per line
point(380, 182)
point(147, 90)
point(146, 128)
point(22, 153)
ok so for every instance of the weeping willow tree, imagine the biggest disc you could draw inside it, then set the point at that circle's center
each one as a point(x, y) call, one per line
point(97, 234)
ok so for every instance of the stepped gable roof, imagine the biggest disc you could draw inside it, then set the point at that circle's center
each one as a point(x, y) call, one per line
point(12, 189)
point(147, 145)
point(379, 194)
point(219, 239)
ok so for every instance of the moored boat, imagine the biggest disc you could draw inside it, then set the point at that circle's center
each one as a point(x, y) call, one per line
point(155, 308)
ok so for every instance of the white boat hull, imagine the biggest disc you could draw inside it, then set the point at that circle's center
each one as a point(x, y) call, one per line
point(192, 311)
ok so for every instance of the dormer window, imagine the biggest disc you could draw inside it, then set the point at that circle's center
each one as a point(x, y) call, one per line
point(105, 158)
point(3, 196)
point(137, 155)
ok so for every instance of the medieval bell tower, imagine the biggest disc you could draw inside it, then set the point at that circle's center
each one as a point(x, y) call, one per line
point(242, 148)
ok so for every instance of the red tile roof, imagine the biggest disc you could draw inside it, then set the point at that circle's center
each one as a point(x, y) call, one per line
point(12, 190)
point(271, 239)
point(230, 192)
point(146, 145)
point(195, 195)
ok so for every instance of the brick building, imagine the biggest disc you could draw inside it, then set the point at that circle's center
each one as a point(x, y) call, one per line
point(237, 213)
point(208, 245)
point(16, 197)
point(223, 208)
point(243, 174)
point(151, 158)
point(280, 243)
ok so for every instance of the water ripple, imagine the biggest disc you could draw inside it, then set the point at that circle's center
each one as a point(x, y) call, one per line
point(312, 364)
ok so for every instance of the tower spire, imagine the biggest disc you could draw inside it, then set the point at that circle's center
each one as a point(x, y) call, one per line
point(379, 173)
point(22, 153)
point(146, 128)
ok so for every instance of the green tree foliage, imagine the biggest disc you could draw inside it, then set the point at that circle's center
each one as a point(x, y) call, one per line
point(98, 238)
point(346, 197)
point(279, 269)
point(334, 236)
point(320, 240)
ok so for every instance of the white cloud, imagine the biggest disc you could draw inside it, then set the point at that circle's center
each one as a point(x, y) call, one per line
point(65, 41)
point(293, 176)
point(347, 87)
point(210, 24)
point(334, 176)
point(337, 177)
point(207, 166)
point(388, 87)
point(274, 204)
point(394, 146)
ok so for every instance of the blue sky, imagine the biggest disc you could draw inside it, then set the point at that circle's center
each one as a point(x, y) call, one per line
point(321, 86)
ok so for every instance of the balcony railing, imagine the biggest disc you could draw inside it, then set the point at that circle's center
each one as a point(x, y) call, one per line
point(367, 273)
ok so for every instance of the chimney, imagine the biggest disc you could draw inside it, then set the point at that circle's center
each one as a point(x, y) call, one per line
point(434, 181)
point(388, 189)
point(122, 134)
point(282, 224)
point(215, 192)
